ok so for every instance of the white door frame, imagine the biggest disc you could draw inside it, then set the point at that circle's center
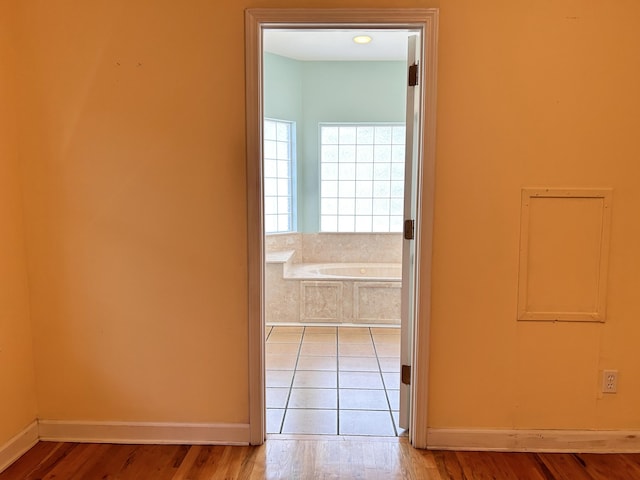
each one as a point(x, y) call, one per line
point(256, 20)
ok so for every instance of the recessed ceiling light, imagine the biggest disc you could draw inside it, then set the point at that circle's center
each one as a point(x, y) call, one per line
point(362, 39)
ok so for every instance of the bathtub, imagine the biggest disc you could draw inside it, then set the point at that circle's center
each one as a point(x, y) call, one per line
point(388, 272)
point(334, 293)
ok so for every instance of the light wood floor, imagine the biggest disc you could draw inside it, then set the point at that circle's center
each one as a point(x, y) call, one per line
point(329, 457)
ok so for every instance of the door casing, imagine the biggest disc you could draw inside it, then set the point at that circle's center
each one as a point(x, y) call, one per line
point(256, 20)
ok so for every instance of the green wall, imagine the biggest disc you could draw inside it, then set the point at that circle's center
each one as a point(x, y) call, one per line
point(313, 92)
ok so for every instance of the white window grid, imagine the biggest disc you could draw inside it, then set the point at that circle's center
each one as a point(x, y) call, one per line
point(362, 177)
point(279, 176)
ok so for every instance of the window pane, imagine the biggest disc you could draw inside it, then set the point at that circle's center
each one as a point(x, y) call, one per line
point(397, 154)
point(283, 223)
point(399, 135)
point(364, 171)
point(282, 132)
point(380, 223)
point(382, 153)
point(270, 149)
point(283, 169)
point(270, 168)
point(269, 130)
point(380, 206)
point(346, 206)
point(364, 153)
point(397, 189)
point(347, 171)
point(347, 135)
point(363, 224)
point(395, 223)
point(329, 171)
point(329, 189)
point(383, 135)
point(329, 206)
point(363, 206)
point(270, 223)
point(397, 206)
point(283, 186)
point(382, 171)
point(283, 151)
point(381, 189)
point(330, 135)
point(346, 223)
point(284, 207)
point(347, 153)
point(270, 187)
point(347, 188)
point(329, 153)
point(364, 189)
point(329, 223)
point(397, 171)
point(365, 135)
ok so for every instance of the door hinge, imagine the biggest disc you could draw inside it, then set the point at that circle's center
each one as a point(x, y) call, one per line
point(409, 229)
point(406, 374)
point(413, 75)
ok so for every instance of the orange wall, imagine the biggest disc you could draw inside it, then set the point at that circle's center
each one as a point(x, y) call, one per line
point(133, 141)
point(17, 383)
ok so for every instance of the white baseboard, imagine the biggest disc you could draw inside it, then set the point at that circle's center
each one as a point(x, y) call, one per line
point(18, 446)
point(150, 433)
point(592, 441)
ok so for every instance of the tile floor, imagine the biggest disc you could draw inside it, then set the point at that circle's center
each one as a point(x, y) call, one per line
point(333, 380)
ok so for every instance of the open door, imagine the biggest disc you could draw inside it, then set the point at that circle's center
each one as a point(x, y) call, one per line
point(409, 274)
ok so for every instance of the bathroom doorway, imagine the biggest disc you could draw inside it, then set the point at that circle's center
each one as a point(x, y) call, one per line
point(337, 246)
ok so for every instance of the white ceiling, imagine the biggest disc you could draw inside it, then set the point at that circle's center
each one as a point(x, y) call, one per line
point(324, 45)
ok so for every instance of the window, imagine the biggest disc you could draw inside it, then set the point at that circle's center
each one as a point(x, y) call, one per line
point(361, 177)
point(279, 175)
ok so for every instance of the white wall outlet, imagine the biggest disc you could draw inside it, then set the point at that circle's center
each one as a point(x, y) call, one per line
point(609, 381)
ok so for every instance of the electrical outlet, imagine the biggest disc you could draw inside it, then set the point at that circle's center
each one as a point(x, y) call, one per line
point(609, 381)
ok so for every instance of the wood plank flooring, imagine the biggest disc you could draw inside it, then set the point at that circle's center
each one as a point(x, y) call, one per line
point(308, 457)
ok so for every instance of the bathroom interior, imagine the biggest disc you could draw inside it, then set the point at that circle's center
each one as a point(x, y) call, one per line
point(334, 113)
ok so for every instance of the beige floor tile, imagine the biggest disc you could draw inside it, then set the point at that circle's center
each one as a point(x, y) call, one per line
point(281, 362)
point(319, 338)
point(357, 339)
point(274, 419)
point(388, 349)
point(391, 380)
point(358, 422)
point(394, 399)
point(276, 397)
point(287, 329)
point(352, 330)
point(317, 363)
point(282, 348)
point(396, 421)
point(326, 398)
point(385, 331)
point(356, 399)
point(319, 349)
point(279, 378)
point(332, 330)
point(389, 364)
point(386, 340)
point(314, 379)
point(276, 337)
point(322, 422)
point(356, 350)
point(360, 380)
point(358, 364)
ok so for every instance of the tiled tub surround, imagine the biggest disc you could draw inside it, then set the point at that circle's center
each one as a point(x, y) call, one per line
point(333, 278)
point(333, 380)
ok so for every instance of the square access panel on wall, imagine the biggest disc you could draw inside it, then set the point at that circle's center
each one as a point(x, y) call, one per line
point(564, 252)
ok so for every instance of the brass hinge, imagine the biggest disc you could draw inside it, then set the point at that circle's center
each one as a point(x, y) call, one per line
point(409, 229)
point(413, 75)
point(406, 374)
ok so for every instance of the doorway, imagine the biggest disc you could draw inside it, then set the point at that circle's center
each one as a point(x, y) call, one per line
point(422, 22)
